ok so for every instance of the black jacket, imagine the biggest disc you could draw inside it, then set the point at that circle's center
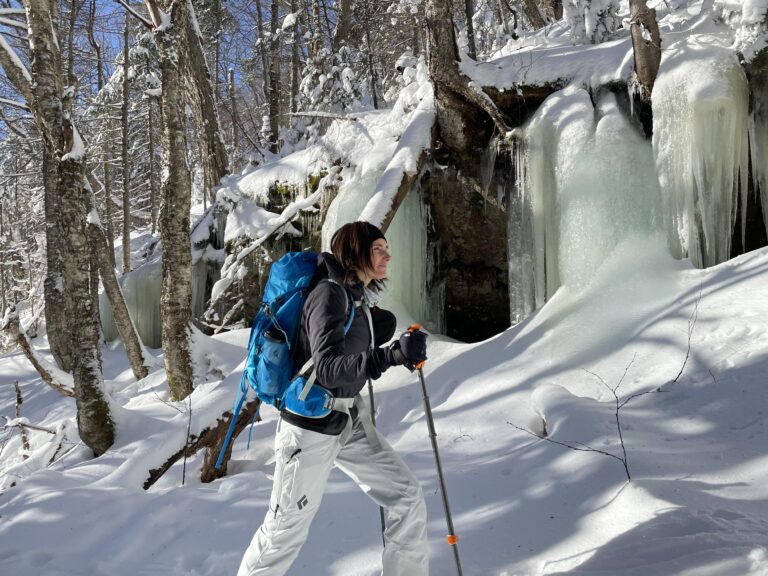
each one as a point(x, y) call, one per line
point(343, 362)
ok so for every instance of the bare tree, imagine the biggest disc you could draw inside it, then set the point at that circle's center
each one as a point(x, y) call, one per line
point(646, 44)
point(469, 10)
point(170, 32)
point(66, 152)
point(463, 113)
point(124, 105)
point(212, 150)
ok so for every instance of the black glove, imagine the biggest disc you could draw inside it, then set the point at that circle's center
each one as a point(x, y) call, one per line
point(410, 349)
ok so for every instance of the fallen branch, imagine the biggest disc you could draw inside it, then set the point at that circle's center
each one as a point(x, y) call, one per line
point(211, 439)
point(22, 422)
point(11, 324)
point(324, 115)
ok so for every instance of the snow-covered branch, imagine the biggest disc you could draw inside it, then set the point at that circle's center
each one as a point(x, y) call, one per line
point(15, 69)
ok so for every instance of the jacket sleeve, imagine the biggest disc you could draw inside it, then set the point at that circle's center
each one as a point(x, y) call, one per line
point(326, 313)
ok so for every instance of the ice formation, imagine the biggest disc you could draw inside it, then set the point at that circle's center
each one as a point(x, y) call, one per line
point(585, 181)
point(612, 194)
point(141, 288)
point(551, 143)
point(700, 134)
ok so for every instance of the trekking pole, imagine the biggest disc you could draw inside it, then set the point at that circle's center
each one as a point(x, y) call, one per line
point(373, 419)
point(452, 538)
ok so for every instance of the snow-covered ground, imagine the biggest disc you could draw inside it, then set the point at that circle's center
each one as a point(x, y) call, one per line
point(697, 502)
point(682, 352)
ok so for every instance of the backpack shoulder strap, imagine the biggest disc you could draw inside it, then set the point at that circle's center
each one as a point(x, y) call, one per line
point(350, 312)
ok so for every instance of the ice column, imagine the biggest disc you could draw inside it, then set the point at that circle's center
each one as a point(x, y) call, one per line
point(551, 143)
point(141, 288)
point(700, 134)
point(612, 194)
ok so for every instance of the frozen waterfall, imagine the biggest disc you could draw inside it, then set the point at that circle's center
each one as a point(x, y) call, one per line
point(585, 181)
point(700, 141)
point(407, 241)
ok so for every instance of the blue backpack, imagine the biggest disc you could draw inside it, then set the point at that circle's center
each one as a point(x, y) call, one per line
point(269, 369)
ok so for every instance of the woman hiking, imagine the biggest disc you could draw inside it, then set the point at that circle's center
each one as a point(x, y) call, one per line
point(344, 355)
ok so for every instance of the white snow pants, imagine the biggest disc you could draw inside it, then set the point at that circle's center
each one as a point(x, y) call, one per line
point(304, 460)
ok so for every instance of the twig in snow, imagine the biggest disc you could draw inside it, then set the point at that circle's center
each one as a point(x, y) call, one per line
point(22, 429)
point(167, 403)
point(691, 324)
point(186, 446)
point(578, 446)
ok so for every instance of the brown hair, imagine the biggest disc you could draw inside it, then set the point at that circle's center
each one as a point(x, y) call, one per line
point(351, 246)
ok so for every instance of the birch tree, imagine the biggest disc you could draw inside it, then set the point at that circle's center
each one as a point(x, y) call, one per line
point(64, 164)
point(170, 22)
point(55, 305)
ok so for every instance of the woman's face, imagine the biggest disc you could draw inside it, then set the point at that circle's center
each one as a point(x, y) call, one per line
point(379, 259)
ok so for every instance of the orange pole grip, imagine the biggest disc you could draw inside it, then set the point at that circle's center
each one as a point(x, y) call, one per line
point(452, 539)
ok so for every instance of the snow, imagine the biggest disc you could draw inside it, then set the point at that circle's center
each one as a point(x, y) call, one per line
point(641, 362)
point(290, 21)
point(696, 503)
point(416, 140)
point(77, 153)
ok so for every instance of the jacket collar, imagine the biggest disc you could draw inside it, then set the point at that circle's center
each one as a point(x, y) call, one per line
point(329, 267)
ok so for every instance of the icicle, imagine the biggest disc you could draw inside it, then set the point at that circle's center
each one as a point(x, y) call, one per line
point(700, 142)
point(407, 239)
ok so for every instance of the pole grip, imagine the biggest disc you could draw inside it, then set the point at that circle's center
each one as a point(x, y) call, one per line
point(415, 328)
point(452, 539)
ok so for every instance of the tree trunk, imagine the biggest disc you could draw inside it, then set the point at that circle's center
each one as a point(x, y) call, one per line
point(317, 39)
point(371, 68)
point(274, 80)
point(125, 327)
point(647, 53)
point(295, 63)
point(176, 193)
point(152, 169)
point(93, 419)
point(466, 118)
point(124, 149)
point(235, 120)
point(343, 24)
point(531, 11)
point(212, 149)
point(59, 136)
point(44, 99)
point(553, 9)
point(56, 318)
point(469, 11)
point(105, 153)
point(262, 50)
